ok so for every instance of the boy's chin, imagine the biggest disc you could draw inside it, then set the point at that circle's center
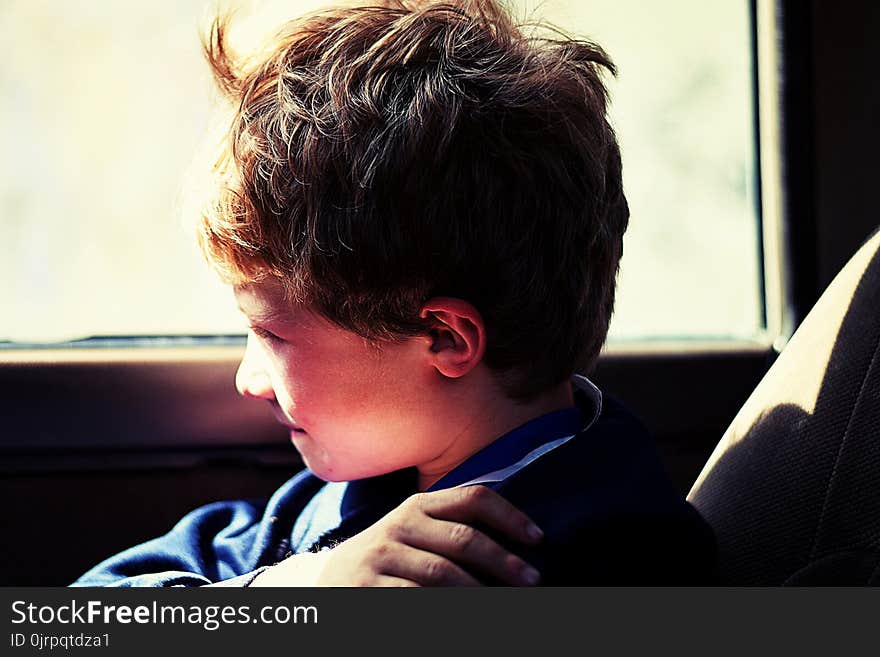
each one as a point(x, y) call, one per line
point(321, 470)
point(329, 476)
point(333, 473)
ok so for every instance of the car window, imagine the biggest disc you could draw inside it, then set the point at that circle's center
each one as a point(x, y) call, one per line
point(105, 105)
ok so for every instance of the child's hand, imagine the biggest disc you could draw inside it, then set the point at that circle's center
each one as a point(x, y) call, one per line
point(428, 540)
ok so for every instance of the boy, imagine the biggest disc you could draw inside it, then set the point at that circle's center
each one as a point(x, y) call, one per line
point(421, 215)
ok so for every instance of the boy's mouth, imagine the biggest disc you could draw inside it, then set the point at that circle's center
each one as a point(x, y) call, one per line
point(294, 428)
point(296, 434)
point(282, 419)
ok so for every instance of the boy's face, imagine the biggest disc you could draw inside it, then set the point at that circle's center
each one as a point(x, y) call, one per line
point(353, 409)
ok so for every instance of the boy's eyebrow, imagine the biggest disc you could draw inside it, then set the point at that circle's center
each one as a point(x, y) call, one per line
point(255, 316)
point(267, 316)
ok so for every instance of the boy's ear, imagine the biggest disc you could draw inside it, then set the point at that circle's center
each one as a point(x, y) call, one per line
point(457, 335)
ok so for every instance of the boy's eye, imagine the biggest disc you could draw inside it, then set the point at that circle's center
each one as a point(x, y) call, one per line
point(260, 332)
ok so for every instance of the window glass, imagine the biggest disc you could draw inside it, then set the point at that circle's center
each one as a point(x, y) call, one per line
point(104, 104)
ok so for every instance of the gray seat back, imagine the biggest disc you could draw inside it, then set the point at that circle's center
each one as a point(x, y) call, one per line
point(793, 488)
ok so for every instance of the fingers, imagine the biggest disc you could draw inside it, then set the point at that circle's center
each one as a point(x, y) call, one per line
point(377, 557)
point(432, 540)
point(423, 568)
point(478, 504)
point(472, 549)
point(387, 581)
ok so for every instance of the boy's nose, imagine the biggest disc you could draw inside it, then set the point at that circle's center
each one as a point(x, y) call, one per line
point(252, 378)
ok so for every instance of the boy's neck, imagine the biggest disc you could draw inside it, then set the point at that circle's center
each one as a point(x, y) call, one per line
point(485, 419)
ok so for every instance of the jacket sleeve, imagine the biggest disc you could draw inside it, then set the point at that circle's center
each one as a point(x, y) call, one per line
point(220, 542)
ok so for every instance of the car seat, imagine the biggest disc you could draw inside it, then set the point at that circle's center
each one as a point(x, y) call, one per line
point(793, 488)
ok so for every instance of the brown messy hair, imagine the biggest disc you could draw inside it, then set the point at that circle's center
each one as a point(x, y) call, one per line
point(381, 156)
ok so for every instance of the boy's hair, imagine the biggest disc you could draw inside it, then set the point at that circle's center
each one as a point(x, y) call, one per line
point(380, 156)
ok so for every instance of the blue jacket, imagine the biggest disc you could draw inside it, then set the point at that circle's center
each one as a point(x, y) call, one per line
point(590, 477)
